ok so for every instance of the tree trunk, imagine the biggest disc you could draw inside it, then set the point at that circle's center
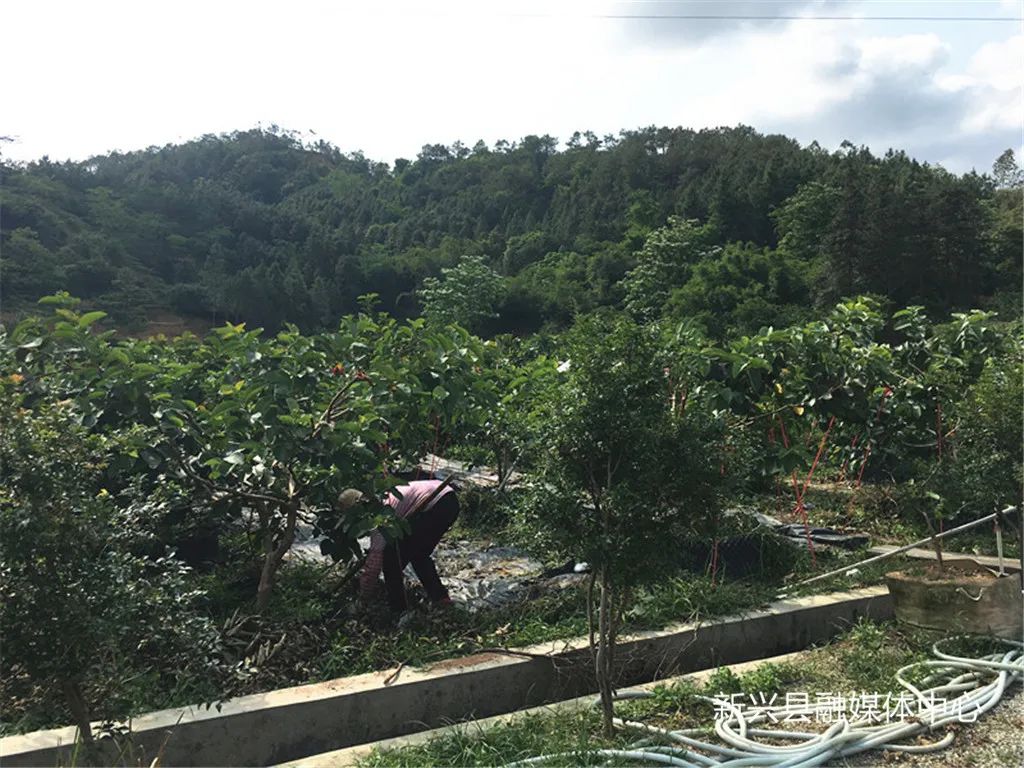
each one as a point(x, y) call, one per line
point(80, 713)
point(274, 553)
point(591, 625)
point(267, 574)
point(501, 461)
point(936, 543)
point(618, 610)
point(605, 640)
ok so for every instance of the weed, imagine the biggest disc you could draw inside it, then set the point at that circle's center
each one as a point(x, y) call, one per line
point(695, 597)
point(768, 678)
point(483, 512)
point(723, 682)
point(866, 658)
point(677, 703)
point(527, 735)
point(677, 696)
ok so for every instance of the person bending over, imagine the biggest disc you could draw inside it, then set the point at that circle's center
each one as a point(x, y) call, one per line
point(429, 519)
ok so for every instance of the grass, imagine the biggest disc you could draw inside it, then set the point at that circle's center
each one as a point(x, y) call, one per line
point(562, 615)
point(679, 597)
point(317, 633)
point(576, 732)
point(864, 659)
point(682, 597)
point(881, 511)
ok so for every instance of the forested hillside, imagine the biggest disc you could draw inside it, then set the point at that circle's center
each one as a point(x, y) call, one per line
point(731, 227)
point(184, 503)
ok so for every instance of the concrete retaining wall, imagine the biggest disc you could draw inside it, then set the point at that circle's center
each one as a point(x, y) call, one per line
point(348, 756)
point(291, 723)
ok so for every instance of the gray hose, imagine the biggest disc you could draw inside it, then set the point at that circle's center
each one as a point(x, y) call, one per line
point(979, 682)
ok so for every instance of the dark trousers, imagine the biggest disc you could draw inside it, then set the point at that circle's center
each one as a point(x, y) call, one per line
point(427, 528)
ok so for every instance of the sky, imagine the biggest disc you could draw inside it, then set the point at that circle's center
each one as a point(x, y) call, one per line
point(943, 81)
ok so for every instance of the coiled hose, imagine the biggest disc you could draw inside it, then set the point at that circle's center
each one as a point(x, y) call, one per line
point(979, 684)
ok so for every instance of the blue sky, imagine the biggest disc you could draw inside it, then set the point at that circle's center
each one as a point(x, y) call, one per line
point(388, 77)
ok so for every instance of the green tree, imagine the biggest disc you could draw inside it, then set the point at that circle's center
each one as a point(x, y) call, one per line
point(269, 426)
point(740, 289)
point(800, 222)
point(277, 230)
point(665, 262)
point(1006, 237)
point(29, 268)
point(82, 610)
point(467, 294)
point(282, 425)
point(626, 470)
point(984, 458)
point(1006, 172)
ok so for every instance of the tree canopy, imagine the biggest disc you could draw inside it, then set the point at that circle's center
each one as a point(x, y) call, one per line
point(257, 226)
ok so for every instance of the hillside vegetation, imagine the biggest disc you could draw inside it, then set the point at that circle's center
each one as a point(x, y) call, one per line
point(260, 227)
point(727, 322)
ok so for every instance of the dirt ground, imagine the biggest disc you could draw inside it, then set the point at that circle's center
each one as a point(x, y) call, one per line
point(995, 741)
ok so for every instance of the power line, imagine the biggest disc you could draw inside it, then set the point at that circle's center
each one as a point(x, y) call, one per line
point(806, 2)
point(768, 3)
point(717, 17)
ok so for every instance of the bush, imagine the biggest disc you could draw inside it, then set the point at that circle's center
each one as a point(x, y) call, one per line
point(628, 469)
point(274, 427)
point(483, 509)
point(989, 458)
point(83, 611)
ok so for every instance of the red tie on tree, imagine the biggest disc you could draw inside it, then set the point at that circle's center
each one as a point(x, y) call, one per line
point(867, 453)
point(799, 491)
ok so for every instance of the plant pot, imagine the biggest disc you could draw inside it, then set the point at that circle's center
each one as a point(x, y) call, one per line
point(962, 597)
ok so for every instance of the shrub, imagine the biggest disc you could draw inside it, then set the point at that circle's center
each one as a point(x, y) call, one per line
point(273, 427)
point(989, 457)
point(81, 608)
point(627, 471)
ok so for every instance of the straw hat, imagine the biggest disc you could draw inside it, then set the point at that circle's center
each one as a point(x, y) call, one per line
point(349, 498)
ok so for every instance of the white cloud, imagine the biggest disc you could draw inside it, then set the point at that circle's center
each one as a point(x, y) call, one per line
point(891, 55)
point(995, 77)
point(1000, 64)
point(831, 82)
